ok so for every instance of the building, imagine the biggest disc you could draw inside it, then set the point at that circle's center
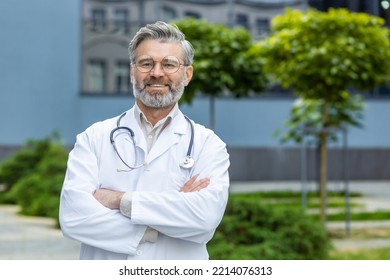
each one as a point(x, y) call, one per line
point(63, 68)
point(108, 25)
point(377, 7)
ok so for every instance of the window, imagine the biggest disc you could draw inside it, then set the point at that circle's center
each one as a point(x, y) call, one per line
point(122, 76)
point(317, 4)
point(262, 27)
point(323, 5)
point(192, 14)
point(98, 19)
point(168, 13)
point(338, 3)
point(384, 11)
point(96, 76)
point(242, 20)
point(121, 20)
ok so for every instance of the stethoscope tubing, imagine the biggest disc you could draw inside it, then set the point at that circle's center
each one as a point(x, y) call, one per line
point(191, 144)
point(187, 163)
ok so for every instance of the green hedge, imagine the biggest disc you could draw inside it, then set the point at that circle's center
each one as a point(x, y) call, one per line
point(251, 230)
point(34, 176)
point(22, 163)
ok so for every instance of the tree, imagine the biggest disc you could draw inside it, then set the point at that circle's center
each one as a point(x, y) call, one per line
point(222, 63)
point(305, 115)
point(322, 55)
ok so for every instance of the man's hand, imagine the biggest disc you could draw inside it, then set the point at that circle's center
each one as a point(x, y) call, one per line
point(112, 199)
point(109, 198)
point(192, 185)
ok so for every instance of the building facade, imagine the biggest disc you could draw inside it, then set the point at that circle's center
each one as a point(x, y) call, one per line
point(52, 52)
point(108, 25)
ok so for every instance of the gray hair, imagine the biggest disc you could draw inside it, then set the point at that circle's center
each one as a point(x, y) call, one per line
point(162, 32)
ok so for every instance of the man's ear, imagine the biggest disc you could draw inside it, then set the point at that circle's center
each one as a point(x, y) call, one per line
point(189, 73)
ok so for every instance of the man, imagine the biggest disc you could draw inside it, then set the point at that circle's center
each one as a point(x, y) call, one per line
point(144, 185)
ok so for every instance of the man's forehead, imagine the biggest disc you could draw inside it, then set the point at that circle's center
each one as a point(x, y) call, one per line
point(156, 48)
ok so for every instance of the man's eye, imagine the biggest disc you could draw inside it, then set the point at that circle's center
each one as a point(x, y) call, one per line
point(170, 65)
point(146, 64)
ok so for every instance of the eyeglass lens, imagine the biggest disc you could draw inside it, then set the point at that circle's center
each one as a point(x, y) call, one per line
point(170, 64)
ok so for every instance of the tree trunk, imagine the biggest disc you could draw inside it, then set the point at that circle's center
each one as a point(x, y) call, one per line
point(323, 162)
point(212, 112)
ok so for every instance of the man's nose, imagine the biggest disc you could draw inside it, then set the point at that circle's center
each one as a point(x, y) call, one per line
point(157, 69)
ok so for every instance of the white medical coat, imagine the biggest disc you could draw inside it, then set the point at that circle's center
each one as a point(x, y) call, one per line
point(185, 221)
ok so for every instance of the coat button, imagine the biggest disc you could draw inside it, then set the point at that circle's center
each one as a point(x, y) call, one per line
point(139, 252)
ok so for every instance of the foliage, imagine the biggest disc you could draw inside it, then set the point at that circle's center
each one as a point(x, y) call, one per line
point(306, 119)
point(37, 189)
point(222, 61)
point(320, 54)
point(252, 230)
point(38, 192)
point(23, 162)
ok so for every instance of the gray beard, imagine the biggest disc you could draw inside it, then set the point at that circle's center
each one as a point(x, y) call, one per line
point(157, 100)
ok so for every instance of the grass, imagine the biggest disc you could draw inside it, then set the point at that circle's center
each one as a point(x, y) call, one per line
point(335, 201)
point(362, 216)
point(361, 233)
point(291, 194)
point(310, 204)
point(358, 235)
point(361, 254)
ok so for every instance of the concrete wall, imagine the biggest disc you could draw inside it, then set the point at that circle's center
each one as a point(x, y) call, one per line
point(40, 68)
point(285, 164)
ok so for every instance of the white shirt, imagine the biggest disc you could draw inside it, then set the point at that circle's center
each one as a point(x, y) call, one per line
point(151, 132)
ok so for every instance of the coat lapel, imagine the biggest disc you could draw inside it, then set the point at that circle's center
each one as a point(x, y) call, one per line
point(130, 121)
point(169, 137)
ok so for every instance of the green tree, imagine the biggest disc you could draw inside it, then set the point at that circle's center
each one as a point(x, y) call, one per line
point(322, 55)
point(222, 63)
point(306, 118)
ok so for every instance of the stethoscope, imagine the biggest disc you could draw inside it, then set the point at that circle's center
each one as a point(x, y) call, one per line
point(187, 162)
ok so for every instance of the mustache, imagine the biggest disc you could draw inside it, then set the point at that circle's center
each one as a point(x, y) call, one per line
point(152, 81)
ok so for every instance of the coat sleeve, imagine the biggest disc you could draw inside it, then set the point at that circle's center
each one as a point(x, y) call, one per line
point(82, 217)
point(191, 216)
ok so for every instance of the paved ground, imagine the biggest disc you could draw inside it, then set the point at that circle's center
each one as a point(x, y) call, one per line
point(32, 238)
point(26, 238)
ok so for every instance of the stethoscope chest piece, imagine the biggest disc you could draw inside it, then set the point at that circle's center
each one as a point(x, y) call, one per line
point(188, 162)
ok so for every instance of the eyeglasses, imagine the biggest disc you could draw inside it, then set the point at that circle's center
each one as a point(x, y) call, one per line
point(170, 64)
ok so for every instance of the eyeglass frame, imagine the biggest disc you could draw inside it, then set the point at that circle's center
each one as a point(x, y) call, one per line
point(162, 67)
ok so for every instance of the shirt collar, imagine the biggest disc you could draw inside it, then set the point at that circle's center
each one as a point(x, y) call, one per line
point(141, 118)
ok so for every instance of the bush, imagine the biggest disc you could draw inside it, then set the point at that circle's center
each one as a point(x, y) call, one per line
point(250, 230)
point(22, 163)
point(37, 189)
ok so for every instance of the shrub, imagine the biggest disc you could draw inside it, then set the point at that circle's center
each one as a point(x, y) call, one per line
point(38, 192)
point(22, 163)
point(41, 168)
point(251, 230)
